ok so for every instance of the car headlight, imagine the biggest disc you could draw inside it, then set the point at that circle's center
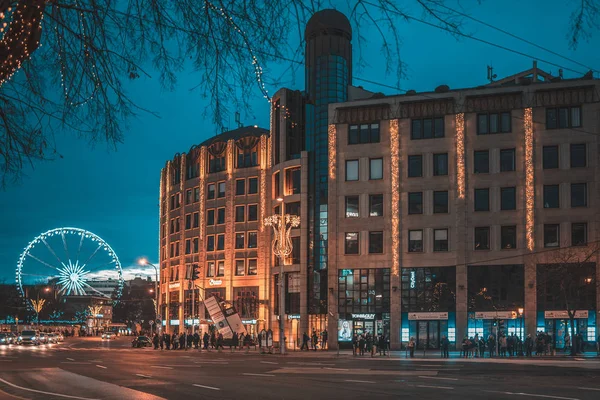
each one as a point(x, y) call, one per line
point(20, 337)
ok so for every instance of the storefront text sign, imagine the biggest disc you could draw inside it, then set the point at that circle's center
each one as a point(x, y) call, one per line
point(363, 316)
point(174, 285)
point(428, 316)
point(495, 314)
point(215, 282)
point(564, 314)
point(413, 279)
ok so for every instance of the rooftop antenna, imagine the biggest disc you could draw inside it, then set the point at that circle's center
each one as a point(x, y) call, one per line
point(237, 119)
point(490, 74)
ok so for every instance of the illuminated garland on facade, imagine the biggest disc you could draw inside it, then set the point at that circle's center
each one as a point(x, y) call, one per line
point(168, 171)
point(230, 145)
point(529, 180)
point(202, 189)
point(332, 137)
point(395, 167)
point(460, 154)
point(263, 179)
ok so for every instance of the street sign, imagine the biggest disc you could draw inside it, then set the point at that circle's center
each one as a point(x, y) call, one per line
point(158, 317)
point(158, 321)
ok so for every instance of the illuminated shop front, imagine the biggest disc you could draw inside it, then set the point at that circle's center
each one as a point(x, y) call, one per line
point(363, 303)
point(428, 306)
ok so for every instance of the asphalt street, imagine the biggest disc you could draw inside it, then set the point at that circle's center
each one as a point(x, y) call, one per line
point(94, 369)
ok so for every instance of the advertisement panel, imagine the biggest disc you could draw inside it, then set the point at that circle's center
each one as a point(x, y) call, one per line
point(495, 314)
point(344, 330)
point(428, 316)
point(214, 310)
point(234, 320)
point(565, 314)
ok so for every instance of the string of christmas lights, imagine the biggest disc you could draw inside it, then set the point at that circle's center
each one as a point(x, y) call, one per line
point(332, 146)
point(460, 154)
point(395, 171)
point(529, 179)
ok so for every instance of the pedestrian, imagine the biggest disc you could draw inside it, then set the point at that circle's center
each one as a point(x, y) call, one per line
point(465, 347)
point(168, 341)
point(411, 347)
point(477, 348)
point(213, 339)
point(528, 345)
point(182, 338)
point(382, 344)
point(568, 342)
point(445, 346)
point(361, 344)
point(234, 341)
point(196, 340)
point(220, 342)
point(305, 340)
point(503, 345)
point(190, 340)
point(491, 345)
point(598, 345)
point(174, 341)
point(325, 336)
point(155, 340)
point(161, 340)
point(314, 340)
point(248, 342)
point(354, 344)
point(206, 339)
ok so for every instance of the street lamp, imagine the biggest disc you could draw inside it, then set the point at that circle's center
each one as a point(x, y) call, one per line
point(282, 247)
point(520, 310)
point(144, 261)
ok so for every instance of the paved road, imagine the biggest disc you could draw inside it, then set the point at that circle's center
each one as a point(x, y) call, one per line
point(94, 369)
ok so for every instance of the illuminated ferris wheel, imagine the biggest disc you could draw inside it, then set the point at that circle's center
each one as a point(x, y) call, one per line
point(73, 260)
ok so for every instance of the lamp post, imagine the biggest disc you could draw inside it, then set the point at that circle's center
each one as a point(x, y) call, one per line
point(144, 261)
point(282, 247)
point(520, 310)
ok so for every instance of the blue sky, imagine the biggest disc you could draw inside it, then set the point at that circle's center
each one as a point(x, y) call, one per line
point(115, 193)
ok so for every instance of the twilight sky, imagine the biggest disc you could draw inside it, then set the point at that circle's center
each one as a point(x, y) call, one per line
point(115, 193)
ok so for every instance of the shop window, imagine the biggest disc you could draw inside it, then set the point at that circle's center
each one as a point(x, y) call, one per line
point(221, 193)
point(551, 235)
point(252, 212)
point(481, 162)
point(507, 160)
point(550, 157)
point(482, 238)
point(495, 287)
point(220, 242)
point(415, 203)
point(415, 166)
point(427, 128)
point(210, 217)
point(375, 242)
point(578, 155)
point(351, 244)
point(220, 268)
point(352, 209)
point(376, 205)
point(482, 199)
point(578, 234)
point(563, 117)
point(240, 187)
point(351, 170)
point(240, 240)
point(221, 216)
point(210, 269)
point(196, 220)
point(415, 241)
point(551, 196)
point(252, 185)
point(240, 267)
point(210, 191)
point(579, 278)
point(292, 181)
point(240, 213)
point(508, 198)
point(428, 289)
point(252, 266)
point(363, 291)
point(376, 168)
point(578, 195)
point(493, 123)
point(440, 164)
point(440, 202)
point(508, 237)
point(440, 240)
point(363, 133)
point(210, 243)
point(252, 240)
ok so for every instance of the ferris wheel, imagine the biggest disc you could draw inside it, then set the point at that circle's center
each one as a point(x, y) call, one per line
point(73, 260)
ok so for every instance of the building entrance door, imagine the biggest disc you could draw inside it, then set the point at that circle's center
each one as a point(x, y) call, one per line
point(428, 335)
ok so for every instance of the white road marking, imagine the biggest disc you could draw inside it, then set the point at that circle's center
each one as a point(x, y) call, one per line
point(70, 359)
point(101, 366)
point(161, 367)
point(249, 374)
point(436, 387)
point(206, 387)
point(7, 360)
point(357, 381)
point(42, 392)
point(533, 395)
point(269, 362)
point(337, 369)
point(75, 362)
point(587, 388)
point(143, 376)
point(438, 377)
point(431, 365)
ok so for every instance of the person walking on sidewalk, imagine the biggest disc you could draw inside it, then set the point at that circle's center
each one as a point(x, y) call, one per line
point(411, 347)
point(168, 341)
point(528, 345)
point(305, 340)
point(314, 340)
point(354, 344)
point(206, 339)
point(155, 340)
point(220, 342)
point(492, 346)
point(196, 340)
point(382, 344)
point(162, 341)
point(325, 336)
point(174, 341)
point(445, 346)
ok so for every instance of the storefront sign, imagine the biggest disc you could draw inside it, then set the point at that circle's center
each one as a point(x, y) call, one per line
point(249, 321)
point(413, 279)
point(428, 316)
point(293, 316)
point(565, 314)
point(363, 316)
point(174, 322)
point(174, 285)
point(215, 282)
point(495, 314)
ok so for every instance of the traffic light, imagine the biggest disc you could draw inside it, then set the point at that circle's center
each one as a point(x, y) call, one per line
point(495, 323)
point(195, 272)
point(501, 325)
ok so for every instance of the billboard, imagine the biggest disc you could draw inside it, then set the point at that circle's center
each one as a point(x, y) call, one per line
point(216, 314)
point(234, 320)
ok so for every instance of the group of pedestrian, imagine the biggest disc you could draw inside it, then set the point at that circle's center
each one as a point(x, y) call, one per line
point(185, 341)
point(366, 343)
point(312, 342)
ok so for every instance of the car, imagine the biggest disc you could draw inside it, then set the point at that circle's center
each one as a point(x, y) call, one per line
point(29, 337)
point(5, 339)
point(52, 338)
point(141, 341)
point(12, 338)
point(43, 337)
point(109, 335)
point(59, 337)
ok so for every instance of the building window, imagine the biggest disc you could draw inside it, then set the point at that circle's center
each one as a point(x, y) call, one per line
point(362, 291)
point(172, 226)
point(508, 198)
point(210, 217)
point(578, 155)
point(351, 246)
point(440, 164)
point(196, 195)
point(252, 240)
point(482, 200)
point(220, 216)
point(252, 212)
point(240, 213)
point(352, 209)
point(507, 160)
point(551, 196)
point(508, 237)
point(188, 221)
point(247, 157)
point(440, 240)
point(292, 181)
point(551, 235)
point(222, 186)
point(220, 268)
point(210, 269)
point(415, 166)
point(188, 196)
point(352, 170)
point(210, 243)
point(188, 246)
point(292, 208)
point(440, 202)
point(276, 185)
point(177, 224)
point(220, 242)
point(363, 133)
point(578, 234)
point(482, 162)
point(482, 238)
point(240, 187)
point(196, 219)
point(210, 191)
point(578, 195)
point(376, 205)
point(550, 157)
point(427, 128)
point(415, 241)
point(493, 123)
point(252, 266)
point(296, 250)
point(216, 163)
point(252, 185)
point(415, 203)
point(240, 240)
point(375, 242)
point(563, 117)
point(376, 168)
point(195, 244)
point(240, 267)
